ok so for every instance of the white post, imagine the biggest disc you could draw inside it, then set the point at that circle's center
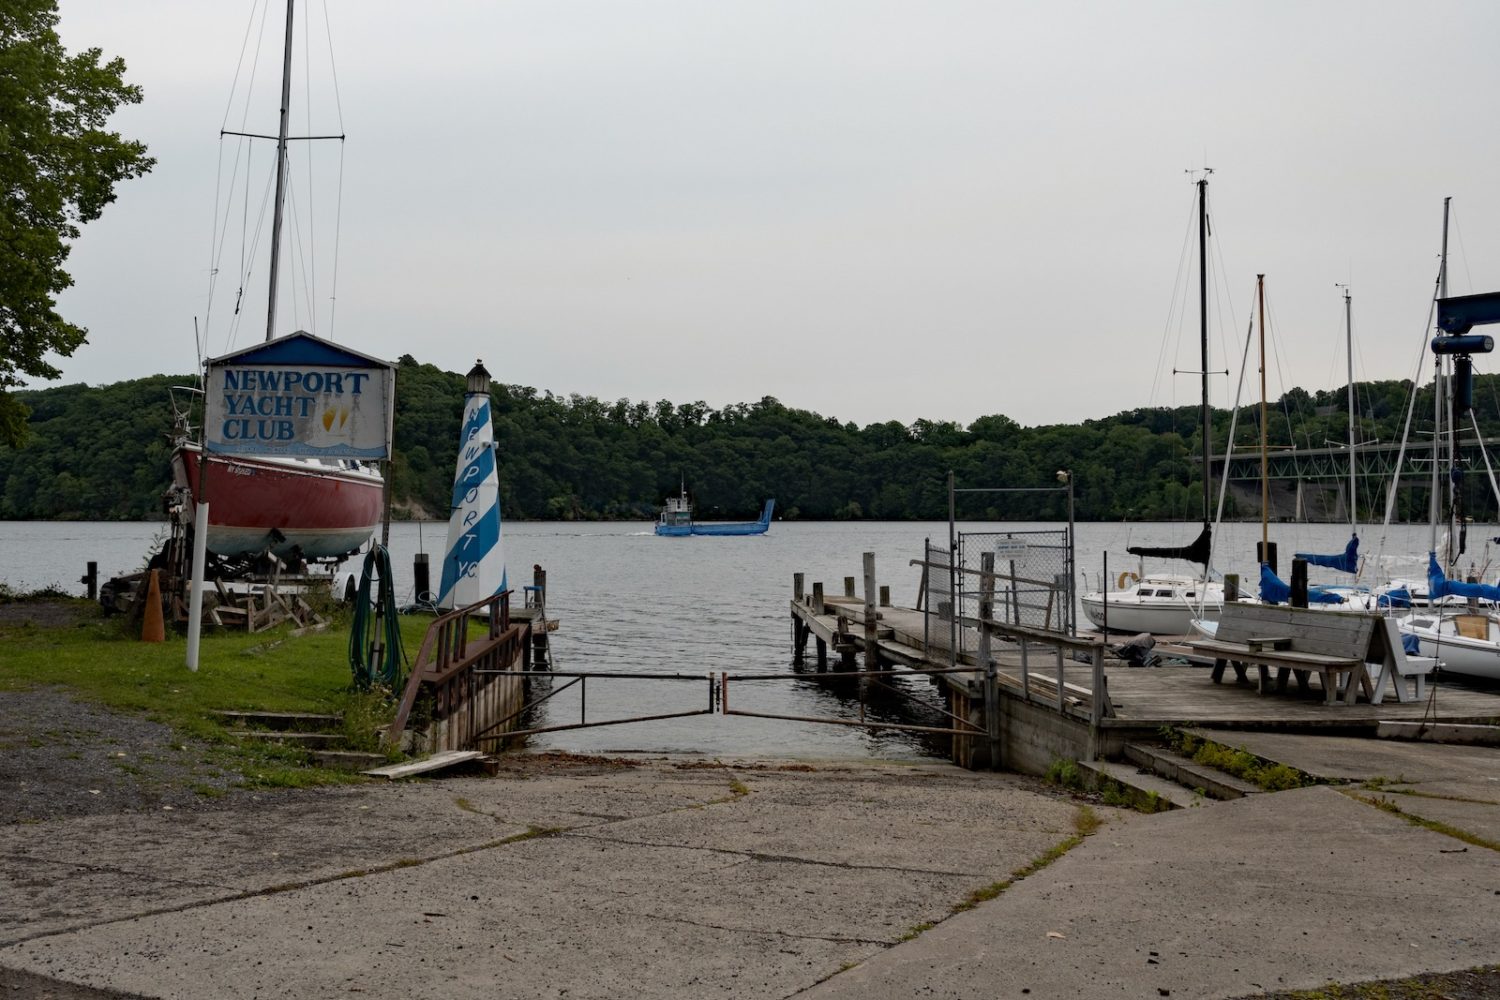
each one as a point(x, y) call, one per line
point(195, 598)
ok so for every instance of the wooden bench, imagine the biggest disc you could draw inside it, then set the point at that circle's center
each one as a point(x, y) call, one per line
point(1335, 645)
point(1392, 672)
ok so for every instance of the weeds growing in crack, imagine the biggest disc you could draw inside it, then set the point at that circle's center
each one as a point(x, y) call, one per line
point(1436, 826)
point(1377, 785)
point(1086, 822)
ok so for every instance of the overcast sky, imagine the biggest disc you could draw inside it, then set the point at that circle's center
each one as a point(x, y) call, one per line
point(874, 210)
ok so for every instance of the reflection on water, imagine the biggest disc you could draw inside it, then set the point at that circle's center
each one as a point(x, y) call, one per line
point(630, 601)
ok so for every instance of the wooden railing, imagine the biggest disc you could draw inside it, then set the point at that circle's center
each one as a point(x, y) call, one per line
point(468, 675)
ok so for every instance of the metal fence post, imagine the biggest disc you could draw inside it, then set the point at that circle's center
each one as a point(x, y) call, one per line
point(1098, 701)
point(986, 661)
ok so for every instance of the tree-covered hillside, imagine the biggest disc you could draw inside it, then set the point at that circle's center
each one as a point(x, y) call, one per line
point(101, 453)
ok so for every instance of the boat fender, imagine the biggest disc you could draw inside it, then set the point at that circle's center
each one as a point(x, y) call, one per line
point(1126, 579)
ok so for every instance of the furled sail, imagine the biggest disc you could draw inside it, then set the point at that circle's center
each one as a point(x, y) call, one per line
point(474, 565)
point(1273, 590)
point(1196, 552)
point(1346, 561)
point(1438, 585)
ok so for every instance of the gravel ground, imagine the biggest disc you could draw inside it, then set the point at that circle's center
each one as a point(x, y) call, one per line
point(60, 757)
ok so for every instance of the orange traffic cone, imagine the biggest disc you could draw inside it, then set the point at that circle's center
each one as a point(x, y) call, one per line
point(153, 629)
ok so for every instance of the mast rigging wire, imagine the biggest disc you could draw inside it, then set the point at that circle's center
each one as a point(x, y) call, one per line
point(1411, 406)
point(310, 256)
point(1177, 305)
point(234, 184)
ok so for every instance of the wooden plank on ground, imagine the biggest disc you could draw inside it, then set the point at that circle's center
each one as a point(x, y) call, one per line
point(437, 762)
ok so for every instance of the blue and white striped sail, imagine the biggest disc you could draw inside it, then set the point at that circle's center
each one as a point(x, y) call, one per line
point(474, 566)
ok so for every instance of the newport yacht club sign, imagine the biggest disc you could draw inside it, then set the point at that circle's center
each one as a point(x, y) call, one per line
point(299, 395)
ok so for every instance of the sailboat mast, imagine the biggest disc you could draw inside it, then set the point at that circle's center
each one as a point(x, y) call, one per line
point(1203, 342)
point(1265, 482)
point(1437, 396)
point(1456, 528)
point(276, 219)
point(1349, 353)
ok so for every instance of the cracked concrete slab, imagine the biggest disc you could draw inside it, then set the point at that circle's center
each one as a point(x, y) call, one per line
point(751, 881)
point(106, 867)
point(1282, 891)
point(669, 881)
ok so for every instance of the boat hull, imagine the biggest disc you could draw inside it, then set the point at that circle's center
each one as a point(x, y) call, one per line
point(1132, 611)
point(728, 528)
point(718, 528)
point(1156, 619)
point(323, 510)
point(1469, 656)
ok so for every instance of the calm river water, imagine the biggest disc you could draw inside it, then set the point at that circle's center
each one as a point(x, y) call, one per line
point(630, 601)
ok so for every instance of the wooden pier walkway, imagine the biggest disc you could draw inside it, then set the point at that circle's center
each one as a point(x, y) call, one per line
point(1046, 683)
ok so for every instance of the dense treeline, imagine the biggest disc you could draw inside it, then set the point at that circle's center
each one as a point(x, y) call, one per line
point(102, 453)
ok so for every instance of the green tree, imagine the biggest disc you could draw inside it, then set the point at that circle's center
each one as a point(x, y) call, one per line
point(58, 169)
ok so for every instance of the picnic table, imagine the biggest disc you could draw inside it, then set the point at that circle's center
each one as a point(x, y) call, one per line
point(1335, 645)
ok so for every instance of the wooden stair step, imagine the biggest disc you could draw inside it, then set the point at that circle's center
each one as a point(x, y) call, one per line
point(299, 721)
point(321, 741)
point(1189, 774)
point(346, 760)
point(1142, 785)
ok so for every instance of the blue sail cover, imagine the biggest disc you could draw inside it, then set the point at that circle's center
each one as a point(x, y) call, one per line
point(1274, 591)
point(1346, 561)
point(474, 564)
point(1438, 585)
point(1396, 598)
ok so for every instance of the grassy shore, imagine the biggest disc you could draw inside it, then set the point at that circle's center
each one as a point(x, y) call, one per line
point(48, 640)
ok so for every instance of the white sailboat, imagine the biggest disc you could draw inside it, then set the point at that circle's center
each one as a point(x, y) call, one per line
point(1166, 604)
point(1467, 640)
point(318, 509)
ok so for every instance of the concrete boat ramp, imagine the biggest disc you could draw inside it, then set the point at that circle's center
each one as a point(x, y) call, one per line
point(683, 877)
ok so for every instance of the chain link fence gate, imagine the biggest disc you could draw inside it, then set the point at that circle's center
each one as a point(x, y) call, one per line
point(1033, 581)
point(1034, 578)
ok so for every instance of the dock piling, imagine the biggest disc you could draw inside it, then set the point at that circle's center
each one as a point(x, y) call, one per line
point(848, 586)
point(872, 645)
point(90, 580)
point(817, 598)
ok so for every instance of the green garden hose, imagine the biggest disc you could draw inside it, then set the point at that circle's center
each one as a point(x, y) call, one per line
point(376, 656)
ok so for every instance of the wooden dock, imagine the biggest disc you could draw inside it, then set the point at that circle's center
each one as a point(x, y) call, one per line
point(1057, 696)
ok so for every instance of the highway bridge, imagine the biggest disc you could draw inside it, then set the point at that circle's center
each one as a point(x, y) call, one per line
point(1312, 483)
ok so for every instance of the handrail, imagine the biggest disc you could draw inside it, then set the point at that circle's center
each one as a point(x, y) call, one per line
point(447, 651)
point(1043, 635)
